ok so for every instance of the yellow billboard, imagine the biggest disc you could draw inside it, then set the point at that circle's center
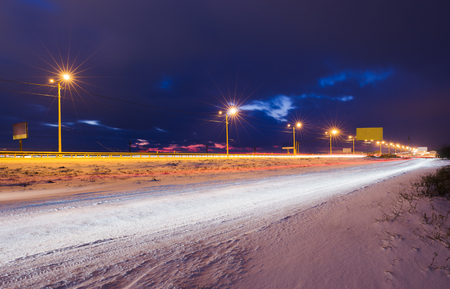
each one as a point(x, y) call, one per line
point(369, 133)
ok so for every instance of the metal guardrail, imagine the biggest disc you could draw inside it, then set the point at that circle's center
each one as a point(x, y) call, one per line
point(123, 155)
point(143, 155)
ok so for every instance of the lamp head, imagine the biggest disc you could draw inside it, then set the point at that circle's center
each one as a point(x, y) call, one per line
point(232, 111)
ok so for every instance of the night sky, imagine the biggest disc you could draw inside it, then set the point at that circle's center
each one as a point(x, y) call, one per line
point(158, 72)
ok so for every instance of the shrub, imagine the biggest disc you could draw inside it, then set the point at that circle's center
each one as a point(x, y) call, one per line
point(435, 185)
point(444, 152)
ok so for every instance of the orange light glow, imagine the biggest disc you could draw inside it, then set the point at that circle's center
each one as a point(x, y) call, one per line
point(232, 111)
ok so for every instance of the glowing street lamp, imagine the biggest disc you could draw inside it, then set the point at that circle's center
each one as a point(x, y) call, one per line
point(232, 111)
point(380, 143)
point(332, 132)
point(353, 139)
point(298, 125)
point(65, 77)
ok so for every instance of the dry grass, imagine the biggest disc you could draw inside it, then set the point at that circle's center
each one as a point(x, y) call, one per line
point(427, 206)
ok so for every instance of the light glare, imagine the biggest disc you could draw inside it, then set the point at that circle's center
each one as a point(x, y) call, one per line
point(232, 110)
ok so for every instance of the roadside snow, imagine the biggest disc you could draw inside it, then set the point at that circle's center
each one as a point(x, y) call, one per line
point(286, 231)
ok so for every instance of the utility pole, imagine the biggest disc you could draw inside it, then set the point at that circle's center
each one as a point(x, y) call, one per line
point(65, 77)
point(226, 124)
point(59, 117)
point(409, 145)
point(331, 148)
point(294, 144)
point(129, 146)
point(293, 133)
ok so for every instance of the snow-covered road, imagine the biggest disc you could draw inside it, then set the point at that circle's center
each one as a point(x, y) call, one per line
point(82, 225)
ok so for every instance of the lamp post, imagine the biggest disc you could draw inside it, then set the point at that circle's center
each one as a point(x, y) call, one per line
point(380, 143)
point(299, 125)
point(353, 139)
point(332, 132)
point(231, 111)
point(65, 77)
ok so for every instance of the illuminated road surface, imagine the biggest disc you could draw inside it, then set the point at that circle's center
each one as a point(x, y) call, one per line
point(79, 238)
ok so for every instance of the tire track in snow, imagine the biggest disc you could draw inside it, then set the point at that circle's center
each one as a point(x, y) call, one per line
point(187, 243)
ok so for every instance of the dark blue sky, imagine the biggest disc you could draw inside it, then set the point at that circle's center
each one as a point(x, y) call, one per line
point(161, 70)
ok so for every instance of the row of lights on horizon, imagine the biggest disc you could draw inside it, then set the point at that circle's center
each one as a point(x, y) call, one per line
point(331, 133)
point(387, 144)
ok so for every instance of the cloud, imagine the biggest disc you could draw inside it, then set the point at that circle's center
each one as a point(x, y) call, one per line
point(341, 98)
point(140, 143)
point(160, 129)
point(276, 107)
point(175, 147)
point(194, 148)
point(97, 123)
point(362, 77)
point(220, 146)
point(166, 83)
point(51, 124)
